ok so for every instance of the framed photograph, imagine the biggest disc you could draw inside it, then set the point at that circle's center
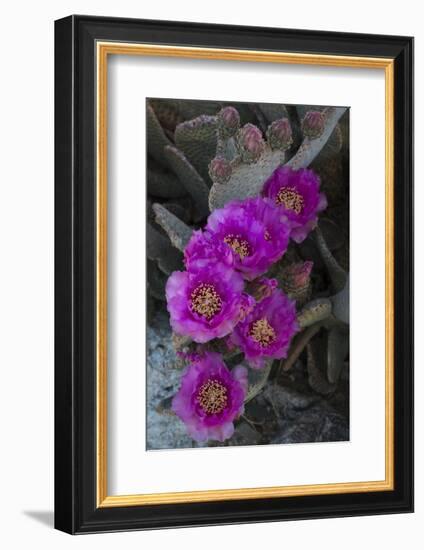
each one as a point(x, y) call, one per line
point(234, 274)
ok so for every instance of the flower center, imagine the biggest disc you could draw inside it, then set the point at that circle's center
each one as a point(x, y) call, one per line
point(239, 245)
point(206, 301)
point(262, 332)
point(290, 198)
point(267, 235)
point(212, 397)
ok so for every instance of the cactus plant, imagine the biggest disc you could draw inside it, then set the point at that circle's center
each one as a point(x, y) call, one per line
point(203, 156)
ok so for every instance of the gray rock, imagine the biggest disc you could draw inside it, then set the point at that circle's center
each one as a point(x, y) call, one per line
point(164, 429)
point(305, 418)
point(244, 435)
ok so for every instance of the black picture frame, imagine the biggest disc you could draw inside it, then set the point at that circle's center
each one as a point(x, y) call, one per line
point(76, 510)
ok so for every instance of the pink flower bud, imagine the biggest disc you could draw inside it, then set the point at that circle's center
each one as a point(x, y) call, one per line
point(229, 121)
point(296, 280)
point(313, 124)
point(220, 170)
point(262, 288)
point(299, 273)
point(250, 143)
point(279, 134)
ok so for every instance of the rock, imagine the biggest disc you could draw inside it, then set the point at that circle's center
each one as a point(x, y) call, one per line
point(244, 435)
point(304, 418)
point(164, 430)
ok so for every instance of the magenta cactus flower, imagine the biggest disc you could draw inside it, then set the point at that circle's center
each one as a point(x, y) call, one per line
point(297, 194)
point(254, 230)
point(203, 248)
point(267, 331)
point(206, 303)
point(210, 397)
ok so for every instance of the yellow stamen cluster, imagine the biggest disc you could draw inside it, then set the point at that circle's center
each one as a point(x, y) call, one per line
point(262, 332)
point(206, 301)
point(290, 198)
point(238, 244)
point(212, 397)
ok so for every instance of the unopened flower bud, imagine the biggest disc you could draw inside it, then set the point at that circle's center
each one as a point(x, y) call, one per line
point(297, 281)
point(229, 121)
point(262, 288)
point(279, 134)
point(250, 143)
point(313, 124)
point(220, 170)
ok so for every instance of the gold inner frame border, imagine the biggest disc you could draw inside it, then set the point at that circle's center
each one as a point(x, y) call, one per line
point(103, 50)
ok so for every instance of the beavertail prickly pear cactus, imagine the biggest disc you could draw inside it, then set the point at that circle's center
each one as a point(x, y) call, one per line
point(280, 173)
